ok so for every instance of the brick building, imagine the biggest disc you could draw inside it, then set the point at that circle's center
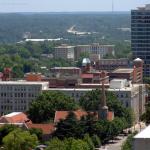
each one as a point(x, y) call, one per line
point(64, 52)
point(134, 74)
point(112, 64)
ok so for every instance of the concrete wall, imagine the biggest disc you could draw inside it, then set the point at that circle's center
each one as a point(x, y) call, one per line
point(141, 144)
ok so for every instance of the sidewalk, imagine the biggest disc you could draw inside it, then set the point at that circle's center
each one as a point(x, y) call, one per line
point(121, 139)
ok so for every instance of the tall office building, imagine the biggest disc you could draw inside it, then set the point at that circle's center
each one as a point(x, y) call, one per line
point(140, 36)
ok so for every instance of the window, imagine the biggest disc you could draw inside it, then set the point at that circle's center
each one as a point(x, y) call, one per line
point(127, 105)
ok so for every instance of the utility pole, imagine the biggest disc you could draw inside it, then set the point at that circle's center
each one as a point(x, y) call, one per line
point(112, 6)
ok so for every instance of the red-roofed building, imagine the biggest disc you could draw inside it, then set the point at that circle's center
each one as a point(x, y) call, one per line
point(15, 117)
point(47, 129)
point(62, 115)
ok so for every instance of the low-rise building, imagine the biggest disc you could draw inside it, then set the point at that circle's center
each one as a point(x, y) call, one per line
point(94, 50)
point(64, 52)
point(112, 64)
point(142, 140)
point(65, 71)
point(14, 118)
point(81, 50)
point(16, 96)
point(62, 115)
point(130, 95)
point(31, 76)
point(134, 74)
point(21, 120)
point(102, 50)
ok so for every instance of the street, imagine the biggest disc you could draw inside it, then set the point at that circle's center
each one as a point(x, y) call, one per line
point(117, 143)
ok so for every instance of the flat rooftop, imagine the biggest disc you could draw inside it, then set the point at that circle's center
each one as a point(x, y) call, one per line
point(123, 70)
point(22, 82)
point(65, 46)
point(120, 59)
point(143, 134)
point(90, 89)
point(65, 68)
point(143, 8)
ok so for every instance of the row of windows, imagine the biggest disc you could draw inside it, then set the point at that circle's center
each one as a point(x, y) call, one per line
point(139, 37)
point(140, 21)
point(18, 95)
point(9, 108)
point(141, 25)
point(141, 45)
point(139, 16)
point(122, 95)
point(136, 29)
point(140, 41)
point(6, 107)
point(19, 88)
point(146, 33)
point(20, 101)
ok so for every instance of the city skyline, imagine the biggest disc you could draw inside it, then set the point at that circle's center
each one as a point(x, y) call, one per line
point(68, 5)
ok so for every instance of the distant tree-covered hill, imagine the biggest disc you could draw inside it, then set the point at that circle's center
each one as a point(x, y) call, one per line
point(103, 27)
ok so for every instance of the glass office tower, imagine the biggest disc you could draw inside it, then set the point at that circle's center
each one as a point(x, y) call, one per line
point(140, 36)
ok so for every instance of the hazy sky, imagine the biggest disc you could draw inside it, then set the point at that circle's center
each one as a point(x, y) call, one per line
point(68, 5)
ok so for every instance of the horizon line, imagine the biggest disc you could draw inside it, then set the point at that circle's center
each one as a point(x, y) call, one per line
point(67, 12)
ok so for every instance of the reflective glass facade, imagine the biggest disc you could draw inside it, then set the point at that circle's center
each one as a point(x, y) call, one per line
point(140, 37)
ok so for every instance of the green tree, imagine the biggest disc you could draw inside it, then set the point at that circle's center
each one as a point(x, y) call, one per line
point(37, 132)
point(56, 144)
point(19, 140)
point(79, 144)
point(67, 144)
point(146, 116)
point(87, 124)
point(127, 145)
point(96, 141)
point(89, 141)
point(4, 130)
point(91, 100)
point(101, 129)
point(68, 128)
point(47, 103)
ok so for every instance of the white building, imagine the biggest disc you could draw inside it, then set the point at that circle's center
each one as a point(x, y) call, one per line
point(142, 140)
point(130, 95)
point(16, 96)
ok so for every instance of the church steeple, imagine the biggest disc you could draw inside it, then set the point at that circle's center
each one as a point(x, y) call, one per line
point(103, 109)
point(103, 100)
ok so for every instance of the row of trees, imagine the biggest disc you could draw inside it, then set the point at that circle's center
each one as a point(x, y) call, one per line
point(105, 130)
point(72, 129)
point(128, 144)
point(86, 143)
point(91, 100)
point(48, 102)
point(14, 138)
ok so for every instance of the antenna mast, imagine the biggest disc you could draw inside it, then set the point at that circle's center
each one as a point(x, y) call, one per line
point(112, 5)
